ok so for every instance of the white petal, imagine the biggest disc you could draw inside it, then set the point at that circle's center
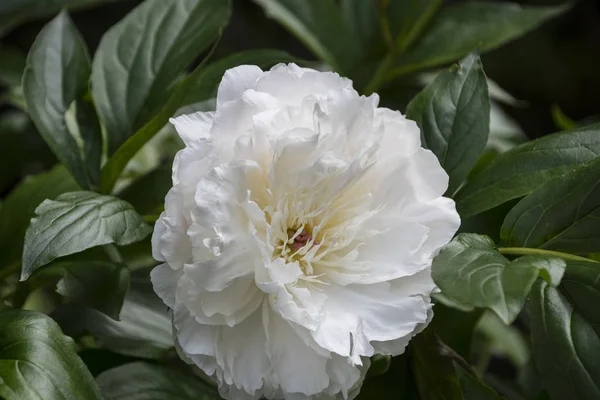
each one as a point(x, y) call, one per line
point(236, 81)
point(192, 127)
point(164, 281)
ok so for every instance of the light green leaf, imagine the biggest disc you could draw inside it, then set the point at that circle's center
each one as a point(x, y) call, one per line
point(319, 25)
point(453, 113)
point(16, 12)
point(471, 273)
point(142, 381)
point(19, 207)
point(38, 362)
point(12, 64)
point(473, 388)
point(562, 215)
point(565, 333)
point(76, 221)
point(503, 340)
point(101, 285)
point(205, 83)
point(140, 59)
point(55, 82)
point(467, 26)
point(527, 167)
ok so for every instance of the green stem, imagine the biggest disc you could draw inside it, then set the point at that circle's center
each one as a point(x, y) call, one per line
point(525, 251)
point(113, 253)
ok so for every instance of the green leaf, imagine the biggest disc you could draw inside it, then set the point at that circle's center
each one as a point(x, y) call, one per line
point(396, 383)
point(19, 207)
point(319, 25)
point(76, 221)
point(140, 59)
point(471, 273)
point(566, 335)
point(527, 167)
point(142, 381)
point(98, 284)
point(144, 329)
point(12, 64)
point(453, 113)
point(16, 12)
point(467, 26)
point(433, 369)
point(38, 362)
point(562, 215)
point(473, 388)
point(55, 82)
point(205, 83)
point(503, 340)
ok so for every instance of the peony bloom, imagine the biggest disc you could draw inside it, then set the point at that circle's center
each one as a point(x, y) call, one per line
point(298, 236)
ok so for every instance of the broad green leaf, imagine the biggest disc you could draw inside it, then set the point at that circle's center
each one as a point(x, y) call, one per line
point(140, 59)
point(38, 362)
point(566, 335)
point(456, 328)
point(527, 167)
point(101, 285)
point(147, 194)
point(319, 25)
point(16, 12)
point(471, 273)
point(12, 64)
point(19, 207)
point(453, 113)
point(205, 83)
point(473, 25)
point(562, 215)
point(76, 221)
point(472, 388)
point(142, 381)
point(433, 370)
point(55, 82)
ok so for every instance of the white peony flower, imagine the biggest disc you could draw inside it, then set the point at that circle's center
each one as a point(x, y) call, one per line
point(298, 236)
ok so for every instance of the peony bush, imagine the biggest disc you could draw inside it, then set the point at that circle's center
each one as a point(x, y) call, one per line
point(266, 226)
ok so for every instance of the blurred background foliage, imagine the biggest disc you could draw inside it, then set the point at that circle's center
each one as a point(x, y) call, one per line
point(545, 81)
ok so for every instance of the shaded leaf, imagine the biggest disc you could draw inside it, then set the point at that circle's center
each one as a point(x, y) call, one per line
point(140, 59)
point(147, 194)
point(55, 82)
point(76, 221)
point(19, 207)
point(527, 167)
point(473, 25)
point(38, 362)
point(472, 274)
point(144, 329)
point(101, 285)
point(473, 388)
point(565, 334)
point(453, 113)
point(142, 381)
point(562, 215)
point(434, 372)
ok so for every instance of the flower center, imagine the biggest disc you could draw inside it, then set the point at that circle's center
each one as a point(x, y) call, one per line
point(298, 248)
